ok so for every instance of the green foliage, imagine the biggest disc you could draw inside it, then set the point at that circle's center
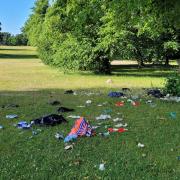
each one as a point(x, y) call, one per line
point(86, 35)
point(33, 26)
point(172, 85)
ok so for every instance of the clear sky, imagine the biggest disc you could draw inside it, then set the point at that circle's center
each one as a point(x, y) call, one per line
point(14, 13)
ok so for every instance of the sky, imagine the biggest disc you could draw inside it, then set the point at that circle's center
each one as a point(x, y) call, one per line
point(13, 14)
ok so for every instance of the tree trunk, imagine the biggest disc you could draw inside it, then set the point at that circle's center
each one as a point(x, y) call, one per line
point(140, 63)
point(178, 61)
point(167, 61)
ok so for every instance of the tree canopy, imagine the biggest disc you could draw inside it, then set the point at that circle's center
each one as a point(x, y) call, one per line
point(87, 34)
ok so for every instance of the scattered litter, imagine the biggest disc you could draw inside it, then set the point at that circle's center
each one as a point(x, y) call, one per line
point(74, 117)
point(52, 119)
point(109, 81)
point(54, 103)
point(1, 127)
point(59, 136)
point(75, 94)
point(155, 93)
point(99, 105)
point(68, 147)
point(36, 132)
point(173, 115)
point(117, 119)
point(101, 167)
point(148, 101)
point(171, 98)
point(135, 103)
point(23, 125)
point(106, 111)
point(80, 128)
point(64, 109)
point(95, 127)
point(116, 94)
point(69, 92)
point(81, 106)
point(121, 125)
point(130, 100)
point(140, 145)
point(88, 102)
point(103, 117)
point(11, 116)
point(178, 158)
point(104, 134)
point(135, 97)
point(120, 130)
point(119, 104)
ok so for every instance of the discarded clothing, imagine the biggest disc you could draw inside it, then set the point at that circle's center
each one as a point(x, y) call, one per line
point(54, 103)
point(69, 92)
point(23, 125)
point(119, 104)
point(116, 94)
point(52, 119)
point(80, 128)
point(155, 93)
point(64, 109)
point(103, 117)
point(11, 116)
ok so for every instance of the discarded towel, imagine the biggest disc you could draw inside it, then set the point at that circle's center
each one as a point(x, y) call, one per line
point(80, 128)
point(52, 119)
point(116, 94)
point(64, 109)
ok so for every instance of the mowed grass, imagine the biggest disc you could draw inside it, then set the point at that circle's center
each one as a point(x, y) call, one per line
point(25, 81)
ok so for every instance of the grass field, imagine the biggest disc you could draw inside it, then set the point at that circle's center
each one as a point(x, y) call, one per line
point(26, 81)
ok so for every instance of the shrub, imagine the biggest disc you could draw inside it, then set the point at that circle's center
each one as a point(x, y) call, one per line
point(172, 85)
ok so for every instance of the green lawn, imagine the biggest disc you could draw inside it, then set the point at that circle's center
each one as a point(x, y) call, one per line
point(24, 80)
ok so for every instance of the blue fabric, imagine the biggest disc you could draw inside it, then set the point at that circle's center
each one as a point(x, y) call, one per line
point(23, 125)
point(70, 138)
point(115, 94)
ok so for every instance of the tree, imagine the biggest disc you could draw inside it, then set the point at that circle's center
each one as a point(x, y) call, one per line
point(33, 26)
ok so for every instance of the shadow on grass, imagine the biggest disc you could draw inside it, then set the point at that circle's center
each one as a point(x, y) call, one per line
point(134, 71)
point(12, 49)
point(18, 56)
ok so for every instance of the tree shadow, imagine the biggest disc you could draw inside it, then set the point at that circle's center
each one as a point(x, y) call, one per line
point(18, 56)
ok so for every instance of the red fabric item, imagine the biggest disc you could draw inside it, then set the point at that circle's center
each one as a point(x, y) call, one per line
point(120, 130)
point(119, 104)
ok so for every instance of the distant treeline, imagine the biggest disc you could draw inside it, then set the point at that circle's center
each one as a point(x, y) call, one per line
point(12, 40)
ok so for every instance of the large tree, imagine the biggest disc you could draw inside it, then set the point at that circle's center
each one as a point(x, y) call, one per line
point(33, 26)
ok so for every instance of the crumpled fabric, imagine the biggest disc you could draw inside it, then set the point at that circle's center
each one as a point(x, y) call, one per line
point(23, 125)
point(116, 94)
point(80, 128)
